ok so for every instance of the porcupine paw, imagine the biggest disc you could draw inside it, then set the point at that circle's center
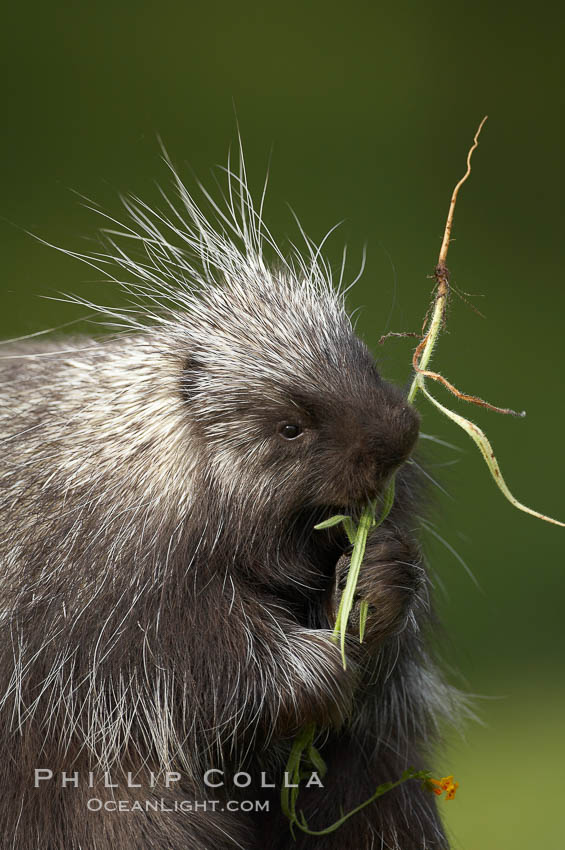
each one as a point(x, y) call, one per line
point(391, 579)
point(322, 690)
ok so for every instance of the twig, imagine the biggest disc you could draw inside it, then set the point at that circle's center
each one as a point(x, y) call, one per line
point(424, 350)
point(474, 399)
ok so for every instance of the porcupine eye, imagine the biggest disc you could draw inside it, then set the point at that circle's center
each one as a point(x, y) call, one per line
point(290, 430)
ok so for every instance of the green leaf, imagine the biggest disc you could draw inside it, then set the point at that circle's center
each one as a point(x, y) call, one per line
point(363, 614)
point(348, 595)
point(366, 523)
point(333, 520)
point(317, 761)
point(302, 742)
point(480, 439)
point(350, 529)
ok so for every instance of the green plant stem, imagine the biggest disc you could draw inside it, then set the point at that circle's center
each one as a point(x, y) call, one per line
point(366, 522)
point(382, 789)
point(431, 340)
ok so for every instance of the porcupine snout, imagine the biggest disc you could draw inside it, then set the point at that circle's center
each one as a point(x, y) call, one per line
point(392, 445)
point(383, 434)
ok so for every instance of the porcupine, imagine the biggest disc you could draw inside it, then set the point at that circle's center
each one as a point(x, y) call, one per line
point(166, 604)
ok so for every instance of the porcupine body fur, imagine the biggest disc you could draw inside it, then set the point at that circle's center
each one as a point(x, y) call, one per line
point(166, 604)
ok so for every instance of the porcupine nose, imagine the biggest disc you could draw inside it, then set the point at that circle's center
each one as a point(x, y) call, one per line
point(404, 430)
point(393, 440)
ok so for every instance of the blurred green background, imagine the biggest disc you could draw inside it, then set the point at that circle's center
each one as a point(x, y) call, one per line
point(370, 109)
